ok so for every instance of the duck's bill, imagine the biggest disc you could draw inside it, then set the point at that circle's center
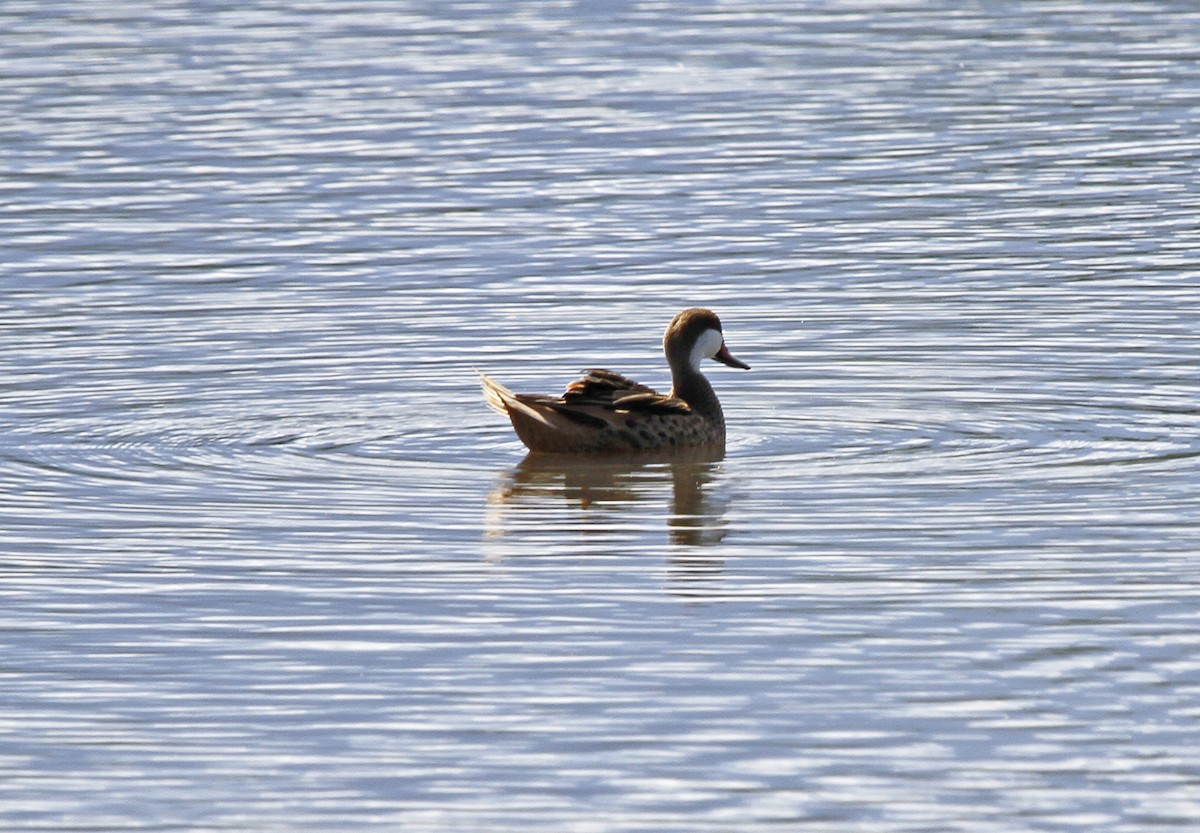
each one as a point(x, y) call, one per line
point(725, 357)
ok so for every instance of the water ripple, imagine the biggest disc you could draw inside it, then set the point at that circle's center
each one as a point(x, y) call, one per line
point(268, 559)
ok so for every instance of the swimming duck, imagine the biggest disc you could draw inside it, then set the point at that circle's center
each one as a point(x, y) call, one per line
point(605, 411)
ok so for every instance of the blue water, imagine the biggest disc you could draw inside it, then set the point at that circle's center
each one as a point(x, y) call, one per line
point(267, 561)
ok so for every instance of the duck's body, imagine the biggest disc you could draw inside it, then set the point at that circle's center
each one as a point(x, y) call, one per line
point(607, 412)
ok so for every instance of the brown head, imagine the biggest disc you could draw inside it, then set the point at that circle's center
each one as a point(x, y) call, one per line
point(694, 335)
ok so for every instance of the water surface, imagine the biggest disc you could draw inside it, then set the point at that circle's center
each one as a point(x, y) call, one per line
point(269, 563)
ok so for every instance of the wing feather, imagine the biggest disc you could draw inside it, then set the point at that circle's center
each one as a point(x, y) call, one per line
point(652, 403)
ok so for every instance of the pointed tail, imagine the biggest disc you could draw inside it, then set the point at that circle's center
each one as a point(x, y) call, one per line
point(496, 394)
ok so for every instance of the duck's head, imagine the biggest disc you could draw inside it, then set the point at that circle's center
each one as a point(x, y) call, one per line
point(694, 335)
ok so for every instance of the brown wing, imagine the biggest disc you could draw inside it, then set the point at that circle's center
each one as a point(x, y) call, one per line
point(603, 398)
point(612, 390)
point(652, 403)
point(602, 387)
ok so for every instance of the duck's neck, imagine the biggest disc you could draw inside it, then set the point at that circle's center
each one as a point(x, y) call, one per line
point(689, 384)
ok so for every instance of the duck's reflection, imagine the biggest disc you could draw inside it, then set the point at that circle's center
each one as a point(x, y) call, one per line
point(611, 495)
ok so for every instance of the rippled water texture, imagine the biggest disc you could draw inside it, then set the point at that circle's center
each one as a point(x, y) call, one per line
point(269, 563)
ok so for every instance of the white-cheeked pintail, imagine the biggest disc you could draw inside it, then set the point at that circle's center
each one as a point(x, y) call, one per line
point(605, 411)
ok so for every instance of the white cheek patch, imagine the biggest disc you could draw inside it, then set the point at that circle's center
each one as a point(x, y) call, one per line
point(706, 347)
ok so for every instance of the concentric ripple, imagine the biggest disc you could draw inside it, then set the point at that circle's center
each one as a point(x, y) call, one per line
point(268, 562)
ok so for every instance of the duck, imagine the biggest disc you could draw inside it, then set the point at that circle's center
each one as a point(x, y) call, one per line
point(607, 412)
